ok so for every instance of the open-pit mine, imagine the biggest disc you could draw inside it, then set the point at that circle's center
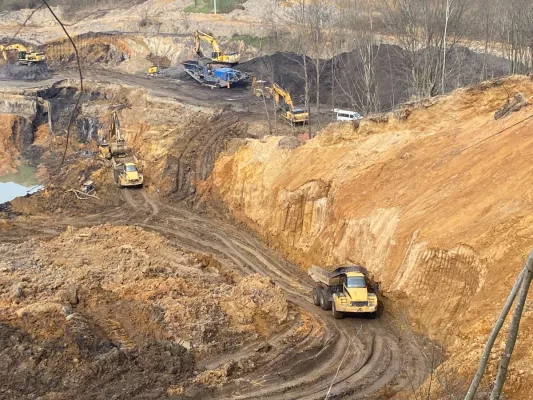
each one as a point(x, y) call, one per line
point(161, 237)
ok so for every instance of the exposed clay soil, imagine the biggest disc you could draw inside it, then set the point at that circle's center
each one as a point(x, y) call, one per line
point(433, 199)
point(132, 291)
point(96, 305)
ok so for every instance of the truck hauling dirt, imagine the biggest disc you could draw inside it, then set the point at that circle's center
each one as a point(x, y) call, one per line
point(345, 290)
point(125, 172)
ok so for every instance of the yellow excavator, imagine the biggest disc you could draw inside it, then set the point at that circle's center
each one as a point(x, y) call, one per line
point(124, 163)
point(282, 99)
point(113, 144)
point(217, 55)
point(25, 57)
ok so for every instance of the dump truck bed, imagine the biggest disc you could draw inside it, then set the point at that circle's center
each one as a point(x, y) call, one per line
point(322, 276)
point(117, 161)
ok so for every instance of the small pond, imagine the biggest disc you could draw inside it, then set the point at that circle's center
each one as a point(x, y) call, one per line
point(19, 183)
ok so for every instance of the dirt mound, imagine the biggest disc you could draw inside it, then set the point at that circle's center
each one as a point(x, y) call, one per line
point(131, 53)
point(439, 214)
point(286, 69)
point(109, 304)
point(33, 72)
point(342, 77)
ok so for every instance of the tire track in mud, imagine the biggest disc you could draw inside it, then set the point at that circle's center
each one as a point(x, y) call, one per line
point(374, 353)
point(379, 361)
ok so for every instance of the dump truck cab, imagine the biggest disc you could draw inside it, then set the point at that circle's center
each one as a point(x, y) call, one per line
point(347, 289)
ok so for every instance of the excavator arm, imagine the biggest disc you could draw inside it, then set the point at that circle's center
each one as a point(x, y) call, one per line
point(279, 92)
point(217, 54)
point(199, 36)
point(19, 47)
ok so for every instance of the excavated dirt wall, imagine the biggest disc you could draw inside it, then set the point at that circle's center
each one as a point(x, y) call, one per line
point(435, 206)
point(21, 129)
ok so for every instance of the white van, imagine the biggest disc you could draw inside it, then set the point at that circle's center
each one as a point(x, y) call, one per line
point(345, 115)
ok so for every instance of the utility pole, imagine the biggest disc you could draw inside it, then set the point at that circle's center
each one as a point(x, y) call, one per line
point(215, 4)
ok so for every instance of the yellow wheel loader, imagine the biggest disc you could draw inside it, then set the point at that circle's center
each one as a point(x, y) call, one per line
point(154, 71)
point(347, 289)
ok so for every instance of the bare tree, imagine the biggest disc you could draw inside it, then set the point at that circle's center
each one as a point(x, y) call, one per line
point(513, 329)
point(424, 29)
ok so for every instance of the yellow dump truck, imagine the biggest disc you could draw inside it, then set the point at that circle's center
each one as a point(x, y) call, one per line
point(125, 172)
point(347, 289)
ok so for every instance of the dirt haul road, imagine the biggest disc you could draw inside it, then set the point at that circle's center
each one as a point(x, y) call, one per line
point(184, 90)
point(353, 358)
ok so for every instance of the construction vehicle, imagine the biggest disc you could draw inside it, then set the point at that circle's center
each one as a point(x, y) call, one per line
point(260, 88)
point(114, 148)
point(213, 77)
point(125, 172)
point(348, 289)
point(282, 99)
point(217, 55)
point(25, 57)
point(154, 71)
point(113, 144)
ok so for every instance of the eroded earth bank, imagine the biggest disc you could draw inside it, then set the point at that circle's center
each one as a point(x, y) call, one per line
point(195, 286)
point(435, 201)
point(157, 292)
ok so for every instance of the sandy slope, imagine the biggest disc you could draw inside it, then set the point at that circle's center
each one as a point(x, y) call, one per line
point(443, 221)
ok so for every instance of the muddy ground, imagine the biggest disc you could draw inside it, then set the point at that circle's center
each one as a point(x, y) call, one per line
point(134, 295)
point(178, 289)
point(158, 299)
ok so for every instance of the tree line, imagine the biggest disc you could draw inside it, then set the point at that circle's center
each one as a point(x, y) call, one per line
point(442, 45)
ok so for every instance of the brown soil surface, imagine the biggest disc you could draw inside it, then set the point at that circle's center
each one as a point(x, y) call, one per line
point(106, 302)
point(436, 205)
point(195, 289)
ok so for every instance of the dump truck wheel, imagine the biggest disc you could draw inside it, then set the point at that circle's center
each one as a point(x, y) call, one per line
point(316, 295)
point(325, 303)
point(337, 314)
point(374, 315)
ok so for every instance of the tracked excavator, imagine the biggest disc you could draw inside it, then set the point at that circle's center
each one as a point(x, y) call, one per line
point(217, 55)
point(282, 99)
point(114, 148)
point(25, 57)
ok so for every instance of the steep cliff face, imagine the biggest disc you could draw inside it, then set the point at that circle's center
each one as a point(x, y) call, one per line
point(439, 206)
point(16, 134)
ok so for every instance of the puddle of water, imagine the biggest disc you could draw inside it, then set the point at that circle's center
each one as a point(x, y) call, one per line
point(19, 183)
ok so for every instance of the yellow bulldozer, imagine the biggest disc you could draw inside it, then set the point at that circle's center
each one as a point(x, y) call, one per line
point(25, 57)
point(217, 55)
